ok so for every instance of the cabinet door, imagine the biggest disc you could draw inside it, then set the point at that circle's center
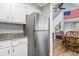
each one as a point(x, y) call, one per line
point(19, 13)
point(5, 9)
point(5, 52)
point(20, 50)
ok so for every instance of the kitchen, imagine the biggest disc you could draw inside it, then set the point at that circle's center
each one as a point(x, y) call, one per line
point(13, 42)
point(21, 25)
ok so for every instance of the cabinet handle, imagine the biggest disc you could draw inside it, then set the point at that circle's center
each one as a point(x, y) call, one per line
point(13, 49)
point(20, 42)
point(0, 45)
point(8, 51)
point(12, 18)
point(7, 17)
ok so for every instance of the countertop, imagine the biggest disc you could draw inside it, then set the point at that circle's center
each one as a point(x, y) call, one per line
point(11, 36)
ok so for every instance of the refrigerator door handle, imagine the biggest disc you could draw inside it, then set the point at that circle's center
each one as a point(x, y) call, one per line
point(34, 43)
point(34, 33)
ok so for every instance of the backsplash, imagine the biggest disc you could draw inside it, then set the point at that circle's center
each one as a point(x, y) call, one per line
point(11, 28)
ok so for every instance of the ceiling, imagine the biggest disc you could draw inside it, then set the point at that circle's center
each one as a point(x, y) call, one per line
point(70, 6)
point(76, 4)
point(41, 4)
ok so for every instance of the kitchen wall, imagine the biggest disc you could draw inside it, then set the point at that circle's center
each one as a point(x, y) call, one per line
point(59, 19)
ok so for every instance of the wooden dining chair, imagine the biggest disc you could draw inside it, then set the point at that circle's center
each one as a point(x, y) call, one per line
point(71, 40)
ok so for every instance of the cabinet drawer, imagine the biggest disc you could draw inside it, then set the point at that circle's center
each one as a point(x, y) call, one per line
point(19, 41)
point(5, 44)
point(5, 52)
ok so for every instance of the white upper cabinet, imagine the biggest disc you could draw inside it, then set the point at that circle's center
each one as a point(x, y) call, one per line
point(5, 9)
point(14, 13)
point(19, 13)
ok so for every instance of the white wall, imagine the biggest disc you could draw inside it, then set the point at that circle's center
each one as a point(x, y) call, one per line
point(57, 20)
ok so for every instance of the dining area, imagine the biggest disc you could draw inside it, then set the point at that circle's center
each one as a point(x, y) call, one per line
point(67, 45)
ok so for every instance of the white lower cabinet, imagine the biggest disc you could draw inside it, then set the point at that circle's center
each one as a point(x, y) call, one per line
point(5, 48)
point(20, 50)
point(19, 47)
point(16, 47)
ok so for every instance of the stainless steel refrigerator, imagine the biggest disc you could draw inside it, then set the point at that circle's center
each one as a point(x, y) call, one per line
point(37, 30)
